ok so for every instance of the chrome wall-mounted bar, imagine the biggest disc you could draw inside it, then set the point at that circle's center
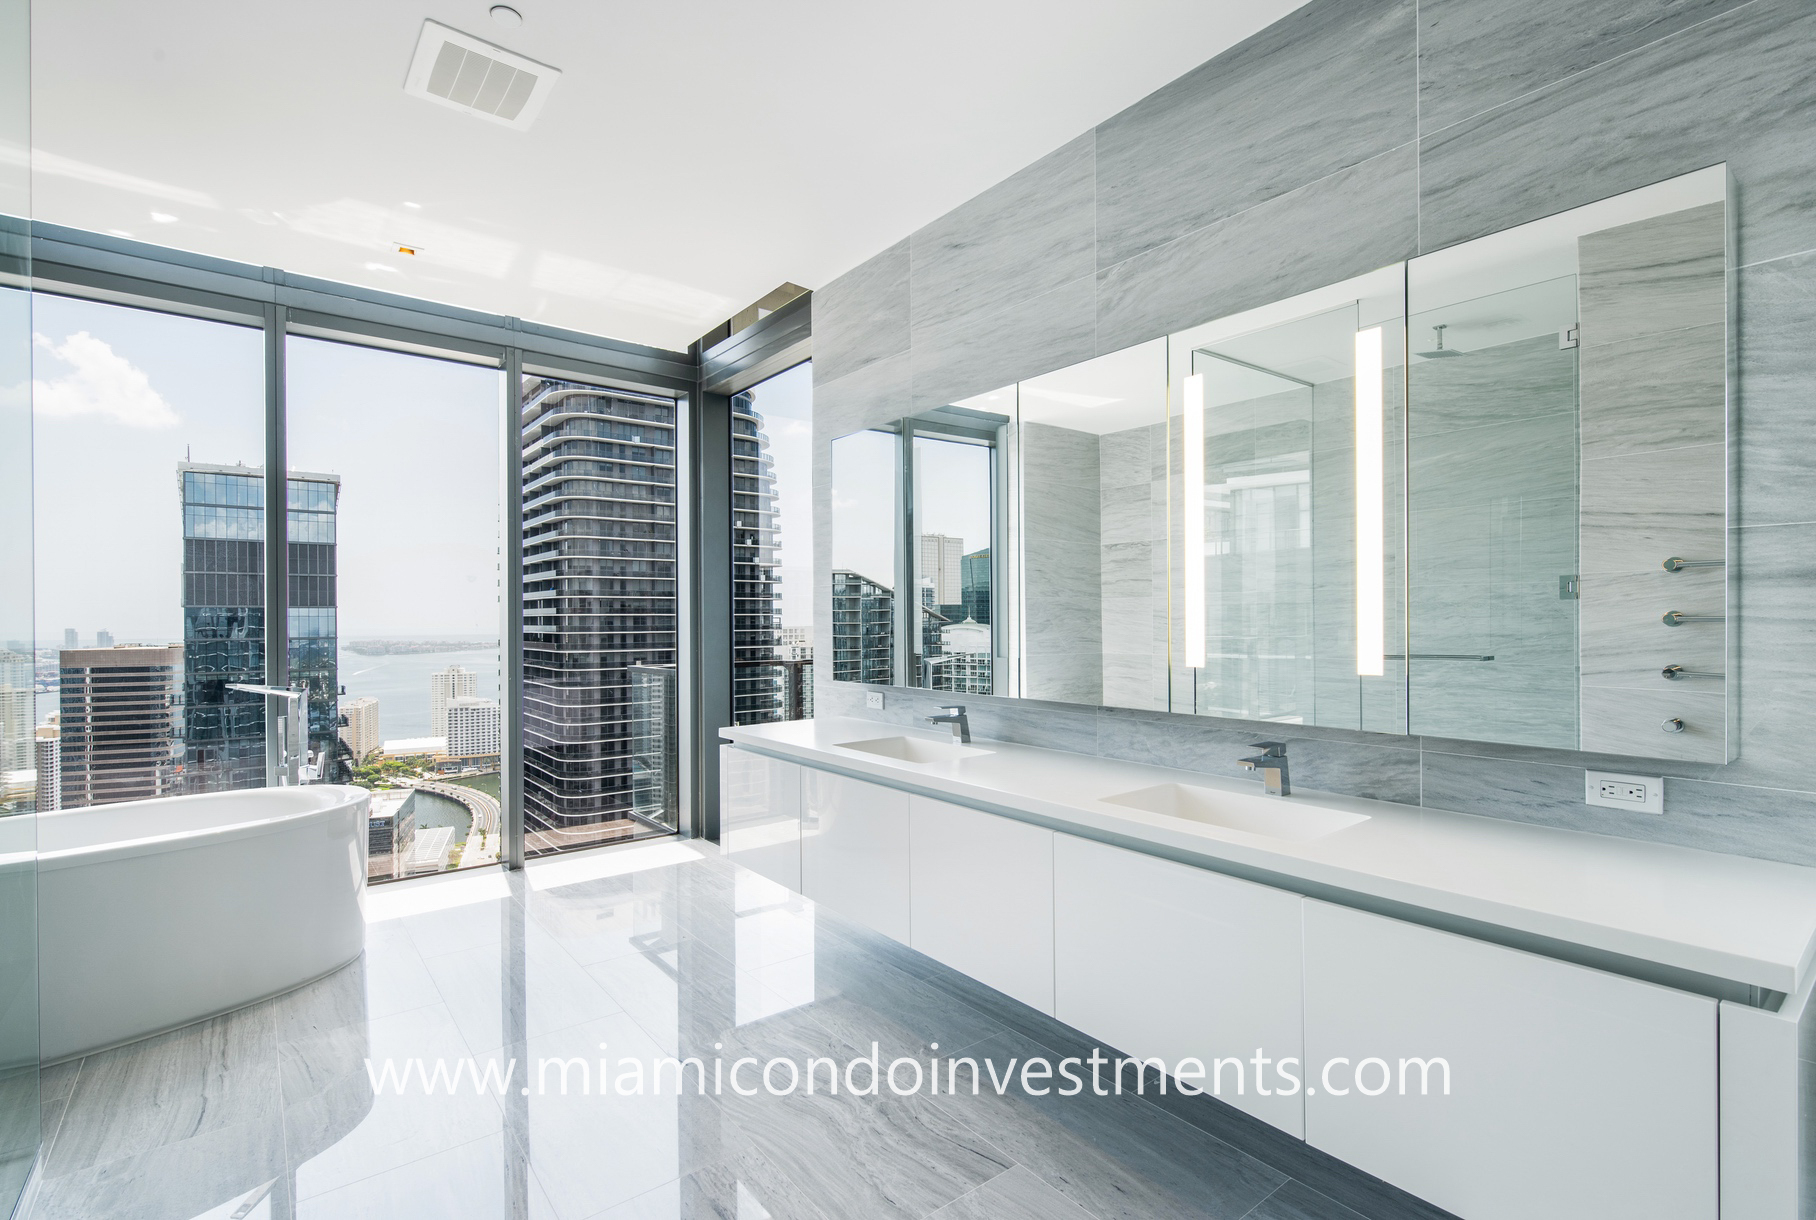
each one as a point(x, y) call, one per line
point(1675, 618)
point(1674, 564)
point(1675, 672)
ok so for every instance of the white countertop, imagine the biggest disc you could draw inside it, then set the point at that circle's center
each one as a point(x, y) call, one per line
point(1730, 917)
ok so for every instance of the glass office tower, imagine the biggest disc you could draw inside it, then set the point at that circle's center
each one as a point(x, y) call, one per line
point(224, 622)
point(599, 597)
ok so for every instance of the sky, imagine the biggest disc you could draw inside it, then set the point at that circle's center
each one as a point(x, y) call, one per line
point(121, 396)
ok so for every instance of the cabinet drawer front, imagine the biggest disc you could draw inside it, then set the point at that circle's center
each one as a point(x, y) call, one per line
point(1573, 1093)
point(854, 850)
point(760, 814)
point(1157, 958)
point(983, 897)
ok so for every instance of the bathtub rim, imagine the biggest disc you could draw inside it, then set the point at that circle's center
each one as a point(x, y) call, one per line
point(177, 840)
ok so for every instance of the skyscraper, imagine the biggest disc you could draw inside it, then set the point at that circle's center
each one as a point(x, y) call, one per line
point(16, 719)
point(69, 638)
point(49, 765)
point(120, 723)
point(361, 731)
point(941, 561)
point(224, 620)
point(445, 686)
point(473, 727)
point(756, 580)
point(104, 639)
point(974, 585)
point(599, 549)
point(863, 629)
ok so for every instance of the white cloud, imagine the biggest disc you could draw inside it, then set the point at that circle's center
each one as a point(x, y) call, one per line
point(101, 382)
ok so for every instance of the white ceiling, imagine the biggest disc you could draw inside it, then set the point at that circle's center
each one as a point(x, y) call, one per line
point(694, 155)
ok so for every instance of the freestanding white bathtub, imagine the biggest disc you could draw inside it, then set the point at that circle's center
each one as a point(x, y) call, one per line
point(154, 914)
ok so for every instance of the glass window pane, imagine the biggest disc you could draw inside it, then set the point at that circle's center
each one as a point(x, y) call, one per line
point(393, 506)
point(953, 522)
point(601, 759)
point(866, 470)
point(772, 549)
point(148, 487)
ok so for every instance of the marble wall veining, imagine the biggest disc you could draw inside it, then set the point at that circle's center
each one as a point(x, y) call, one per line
point(1348, 136)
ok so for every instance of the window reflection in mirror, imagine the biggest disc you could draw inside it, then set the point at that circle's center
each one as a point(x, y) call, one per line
point(1288, 588)
point(866, 474)
point(954, 519)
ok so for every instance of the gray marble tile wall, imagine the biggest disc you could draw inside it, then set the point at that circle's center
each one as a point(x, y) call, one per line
point(1062, 657)
point(1350, 135)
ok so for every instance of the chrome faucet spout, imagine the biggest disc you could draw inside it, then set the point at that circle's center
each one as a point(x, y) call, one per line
point(1272, 767)
point(954, 716)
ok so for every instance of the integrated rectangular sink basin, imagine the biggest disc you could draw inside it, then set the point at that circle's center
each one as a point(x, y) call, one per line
point(914, 749)
point(1275, 816)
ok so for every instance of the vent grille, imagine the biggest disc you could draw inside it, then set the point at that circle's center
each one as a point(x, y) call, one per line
point(457, 70)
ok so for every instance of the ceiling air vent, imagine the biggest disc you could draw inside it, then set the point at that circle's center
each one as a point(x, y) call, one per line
point(466, 73)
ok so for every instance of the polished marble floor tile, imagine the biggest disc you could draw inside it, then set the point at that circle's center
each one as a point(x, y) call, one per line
point(427, 1079)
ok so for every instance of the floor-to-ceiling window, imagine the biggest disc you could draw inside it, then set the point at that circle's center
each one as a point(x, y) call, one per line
point(149, 529)
point(393, 553)
point(464, 575)
point(600, 614)
point(772, 549)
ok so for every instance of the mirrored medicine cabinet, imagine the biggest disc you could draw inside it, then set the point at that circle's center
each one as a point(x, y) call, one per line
point(1482, 495)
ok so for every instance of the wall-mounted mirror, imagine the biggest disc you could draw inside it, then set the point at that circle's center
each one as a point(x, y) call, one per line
point(1480, 495)
point(866, 481)
point(1568, 520)
point(1288, 569)
point(1091, 454)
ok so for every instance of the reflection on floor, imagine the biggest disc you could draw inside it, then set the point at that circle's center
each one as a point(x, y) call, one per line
point(640, 953)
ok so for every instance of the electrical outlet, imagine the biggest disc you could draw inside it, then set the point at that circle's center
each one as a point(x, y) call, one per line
point(873, 699)
point(1641, 793)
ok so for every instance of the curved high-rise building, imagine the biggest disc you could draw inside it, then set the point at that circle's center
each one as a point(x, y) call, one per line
point(599, 549)
point(757, 676)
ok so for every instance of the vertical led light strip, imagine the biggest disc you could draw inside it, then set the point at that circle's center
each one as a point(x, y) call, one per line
point(1371, 496)
point(1193, 467)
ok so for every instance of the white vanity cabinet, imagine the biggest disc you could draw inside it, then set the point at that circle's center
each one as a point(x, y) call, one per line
point(1574, 1094)
point(1156, 958)
point(760, 814)
point(982, 889)
point(854, 850)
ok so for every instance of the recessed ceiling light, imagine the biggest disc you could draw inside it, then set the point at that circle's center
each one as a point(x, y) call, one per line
point(506, 16)
point(408, 204)
point(380, 267)
point(163, 218)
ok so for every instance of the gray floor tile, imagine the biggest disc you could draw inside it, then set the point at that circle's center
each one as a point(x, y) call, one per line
point(1116, 1156)
point(1297, 1201)
point(183, 1179)
point(169, 1089)
point(1017, 1194)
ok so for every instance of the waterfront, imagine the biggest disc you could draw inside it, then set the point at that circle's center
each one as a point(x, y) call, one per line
point(400, 683)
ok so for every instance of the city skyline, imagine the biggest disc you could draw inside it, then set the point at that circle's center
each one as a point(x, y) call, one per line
point(143, 391)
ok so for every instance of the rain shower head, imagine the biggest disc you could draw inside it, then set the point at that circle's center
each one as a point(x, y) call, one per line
point(1441, 352)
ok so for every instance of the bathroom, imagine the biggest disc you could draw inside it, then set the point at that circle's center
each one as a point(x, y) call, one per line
point(1340, 755)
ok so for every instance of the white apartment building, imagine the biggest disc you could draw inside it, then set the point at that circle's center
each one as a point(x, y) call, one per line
point(473, 727)
point(445, 686)
point(361, 730)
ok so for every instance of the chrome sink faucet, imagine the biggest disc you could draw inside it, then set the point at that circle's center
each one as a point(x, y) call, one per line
point(1271, 763)
point(954, 716)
